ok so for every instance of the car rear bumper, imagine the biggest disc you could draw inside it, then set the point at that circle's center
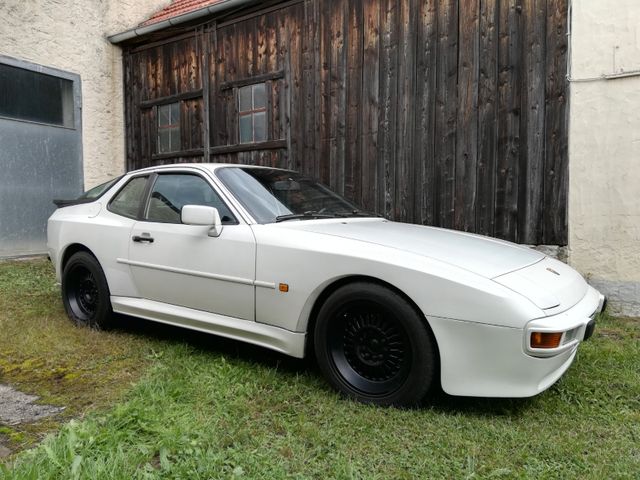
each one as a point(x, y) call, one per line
point(483, 360)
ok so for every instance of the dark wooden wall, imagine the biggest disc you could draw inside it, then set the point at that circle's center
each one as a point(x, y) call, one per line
point(442, 112)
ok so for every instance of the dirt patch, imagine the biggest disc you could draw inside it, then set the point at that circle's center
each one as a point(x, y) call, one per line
point(17, 407)
point(4, 451)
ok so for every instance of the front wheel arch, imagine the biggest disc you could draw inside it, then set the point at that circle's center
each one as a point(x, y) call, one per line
point(373, 346)
point(339, 283)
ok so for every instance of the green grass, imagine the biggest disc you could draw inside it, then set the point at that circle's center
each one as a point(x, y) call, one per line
point(42, 352)
point(212, 408)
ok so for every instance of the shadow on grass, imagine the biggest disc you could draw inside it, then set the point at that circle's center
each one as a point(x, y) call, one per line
point(437, 400)
point(211, 343)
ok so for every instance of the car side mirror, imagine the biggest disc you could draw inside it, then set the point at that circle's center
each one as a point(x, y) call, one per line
point(202, 215)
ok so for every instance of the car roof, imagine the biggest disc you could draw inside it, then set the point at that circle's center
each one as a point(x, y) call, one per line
point(202, 166)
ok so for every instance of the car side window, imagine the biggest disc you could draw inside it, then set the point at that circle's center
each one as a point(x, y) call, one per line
point(127, 201)
point(171, 192)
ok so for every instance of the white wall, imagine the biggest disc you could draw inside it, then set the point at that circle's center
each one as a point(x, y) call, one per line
point(71, 35)
point(604, 148)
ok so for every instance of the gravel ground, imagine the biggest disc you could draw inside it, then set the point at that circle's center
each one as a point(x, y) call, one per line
point(17, 407)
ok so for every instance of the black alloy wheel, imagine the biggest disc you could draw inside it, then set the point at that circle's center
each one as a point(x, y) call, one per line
point(85, 292)
point(372, 345)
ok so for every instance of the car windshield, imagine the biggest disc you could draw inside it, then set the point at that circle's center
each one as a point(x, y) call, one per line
point(272, 195)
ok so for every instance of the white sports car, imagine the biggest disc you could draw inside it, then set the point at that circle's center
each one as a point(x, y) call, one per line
point(273, 258)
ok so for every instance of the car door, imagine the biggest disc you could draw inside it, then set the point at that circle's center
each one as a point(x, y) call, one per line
point(181, 264)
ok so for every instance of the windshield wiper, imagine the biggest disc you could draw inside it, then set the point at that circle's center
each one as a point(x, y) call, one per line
point(358, 213)
point(309, 214)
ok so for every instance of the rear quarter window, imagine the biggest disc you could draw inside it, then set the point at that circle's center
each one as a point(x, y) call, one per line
point(127, 201)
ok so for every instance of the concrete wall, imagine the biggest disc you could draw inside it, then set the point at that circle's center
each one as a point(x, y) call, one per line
point(71, 35)
point(604, 148)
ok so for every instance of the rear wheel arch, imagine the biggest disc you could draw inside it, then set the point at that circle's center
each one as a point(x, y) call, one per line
point(85, 291)
point(70, 250)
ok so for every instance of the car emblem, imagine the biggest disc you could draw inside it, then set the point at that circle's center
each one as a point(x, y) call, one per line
point(552, 270)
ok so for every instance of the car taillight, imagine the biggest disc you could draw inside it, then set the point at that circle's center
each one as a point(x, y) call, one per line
point(545, 339)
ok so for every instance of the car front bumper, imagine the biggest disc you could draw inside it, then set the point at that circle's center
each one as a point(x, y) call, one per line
point(483, 360)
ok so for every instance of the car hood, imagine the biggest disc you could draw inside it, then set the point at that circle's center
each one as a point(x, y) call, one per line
point(481, 255)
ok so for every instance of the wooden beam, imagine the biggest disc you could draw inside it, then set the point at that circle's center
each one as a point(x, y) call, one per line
point(248, 147)
point(170, 99)
point(204, 39)
point(252, 80)
point(196, 152)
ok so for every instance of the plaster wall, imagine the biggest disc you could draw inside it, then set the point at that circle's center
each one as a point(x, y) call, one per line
point(604, 148)
point(71, 35)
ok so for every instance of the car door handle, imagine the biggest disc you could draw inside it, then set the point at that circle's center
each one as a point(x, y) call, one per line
point(142, 238)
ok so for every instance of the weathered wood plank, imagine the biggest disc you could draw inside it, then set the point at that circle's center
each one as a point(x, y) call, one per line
point(467, 117)
point(446, 101)
point(531, 196)
point(389, 17)
point(324, 95)
point(293, 18)
point(506, 209)
point(424, 139)
point(353, 132)
point(205, 73)
point(337, 92)
point(556, 132)
point(229, 102)
point(370, 103)
point(308, 89)
point(487, 116)
point(405, 126)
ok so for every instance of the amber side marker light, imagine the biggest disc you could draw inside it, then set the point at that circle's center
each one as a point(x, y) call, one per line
point(545, 339)
point(283, 287)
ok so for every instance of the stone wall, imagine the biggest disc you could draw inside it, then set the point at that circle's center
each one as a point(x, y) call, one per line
point(71, 35)
point(604, 148)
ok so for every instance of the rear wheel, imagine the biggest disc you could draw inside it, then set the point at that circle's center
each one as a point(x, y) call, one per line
point(85, 293)
point(372, 345)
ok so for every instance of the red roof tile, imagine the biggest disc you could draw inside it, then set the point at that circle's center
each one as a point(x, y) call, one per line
point(178, 7)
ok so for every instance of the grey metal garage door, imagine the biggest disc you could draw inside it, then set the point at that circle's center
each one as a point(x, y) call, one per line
point(40, 150)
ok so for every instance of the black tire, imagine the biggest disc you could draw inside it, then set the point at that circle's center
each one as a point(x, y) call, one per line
point(85, 293)
point(373, 346)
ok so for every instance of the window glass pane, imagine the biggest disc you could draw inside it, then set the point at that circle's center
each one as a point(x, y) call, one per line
point(172, 192)
point(96, 191)
point(164, 112)
point(36, 97)
point(259, 96)
point(127, 201)
point(259, 127)
point(175, 113)
point(175, 139)
point(169, 128)
point(246, 131)
point(244, 98)
point(164, 139)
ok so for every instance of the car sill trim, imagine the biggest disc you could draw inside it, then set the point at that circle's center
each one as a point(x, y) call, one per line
point(267, 336)
point(197, 273)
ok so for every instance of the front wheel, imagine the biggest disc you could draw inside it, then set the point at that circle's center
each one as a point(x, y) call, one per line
point(373, 346)
point(85, 293)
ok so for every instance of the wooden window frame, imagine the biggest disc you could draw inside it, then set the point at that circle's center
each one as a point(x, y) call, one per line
point(252, 112)
point(174, 124)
